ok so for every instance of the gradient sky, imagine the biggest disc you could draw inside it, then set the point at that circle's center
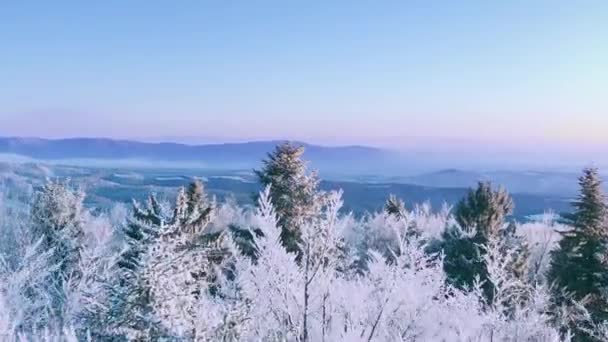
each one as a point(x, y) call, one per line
point(368, 72)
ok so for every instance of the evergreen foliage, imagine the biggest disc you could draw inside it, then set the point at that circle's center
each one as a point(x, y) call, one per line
point(56, 215)
point(165, 256)
point(293, 190)
point(395, 206)
point(579, 268)
point(187, 273)
point(480, 217)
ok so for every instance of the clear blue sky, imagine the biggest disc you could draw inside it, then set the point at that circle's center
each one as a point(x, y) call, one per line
point(369, 72)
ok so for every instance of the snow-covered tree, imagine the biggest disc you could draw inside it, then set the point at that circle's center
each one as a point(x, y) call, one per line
point(432, 222)
point(406, 299)
point(57, 219)
point(57, 216)
point(298, 303)
point(129, 310)
point(27, 290)
point(517, 310)
point(180, 272)
point(87, 296)
point(380, 233)
point(293, 190)
point(542, 237)
point(167, 263)
point(480, 217)
point(321, 250)
point(402, 298)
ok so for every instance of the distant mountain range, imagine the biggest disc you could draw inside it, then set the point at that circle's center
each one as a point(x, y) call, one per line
point(346, 159)
point(347, 163)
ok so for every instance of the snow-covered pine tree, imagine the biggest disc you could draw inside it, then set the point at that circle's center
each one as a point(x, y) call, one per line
point(484, 209)
point(293, 191)
point(579, 266)
point(182, 262)
point(480, 216)
point(57, 214)
point(57, 218)
point(142, 227)
point(192, 210)
point(169, 261)
point(130, 311)
point(87, 296)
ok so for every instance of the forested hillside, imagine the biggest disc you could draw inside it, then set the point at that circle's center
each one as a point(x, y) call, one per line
point(298, 266)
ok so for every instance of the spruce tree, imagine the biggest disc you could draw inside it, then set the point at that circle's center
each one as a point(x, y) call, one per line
point(142, 227)
point(293, 191)
point(57, 215)
point(579, 269)
point(164, 251)
point(192, 209)
point(481, 215)
point(57, 218)
point(130, 312)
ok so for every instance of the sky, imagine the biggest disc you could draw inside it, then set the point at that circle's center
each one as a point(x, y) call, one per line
point(389, 73)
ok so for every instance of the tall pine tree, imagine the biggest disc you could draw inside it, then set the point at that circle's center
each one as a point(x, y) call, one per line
point(579, 268)
point(293, 191)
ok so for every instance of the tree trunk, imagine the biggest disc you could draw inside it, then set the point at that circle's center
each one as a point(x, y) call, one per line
point(306, 295)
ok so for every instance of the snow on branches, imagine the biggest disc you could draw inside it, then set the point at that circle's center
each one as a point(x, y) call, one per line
point(198, 271)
